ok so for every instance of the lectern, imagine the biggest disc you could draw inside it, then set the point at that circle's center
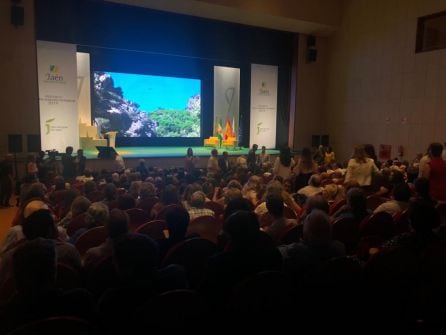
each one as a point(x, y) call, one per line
point(111, 138)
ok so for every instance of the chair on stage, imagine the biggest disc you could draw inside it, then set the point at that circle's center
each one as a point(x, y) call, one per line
point(211, 141)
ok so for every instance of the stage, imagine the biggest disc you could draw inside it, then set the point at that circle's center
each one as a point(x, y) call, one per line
point(164, 157)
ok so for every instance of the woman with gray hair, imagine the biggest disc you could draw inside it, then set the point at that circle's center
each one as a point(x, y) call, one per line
point(96, 215)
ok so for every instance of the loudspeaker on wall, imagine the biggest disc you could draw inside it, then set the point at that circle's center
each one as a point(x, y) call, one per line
point(17, 14)
point(15, 143)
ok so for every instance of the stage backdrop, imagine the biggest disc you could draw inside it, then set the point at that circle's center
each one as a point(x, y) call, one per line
point(226, 101)
point(56, 63)
point(263, 105)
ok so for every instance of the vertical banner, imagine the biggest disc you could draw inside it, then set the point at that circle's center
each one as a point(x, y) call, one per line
point(226, 102)
point(57, 77)
point(263, 105)
point(83, 88)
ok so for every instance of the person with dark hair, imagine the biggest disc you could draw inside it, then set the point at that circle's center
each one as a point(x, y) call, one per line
point(6, 182)
point(400, 201)
point(136, 260)
point(68, 164)
point(116, 226)
point(435, 172)
point(223, 163)
point(251, 160)
point(212, 167)
point(304, 169)
point(284, 164)
point(81, 162)
point(36, 298)
point(370, 152)
point(237, 204)
point(142, 169)
point(422, 191)
point(126, 201)
point(316, 247)
point(169, 196)
point(247, 252)
point(280, 224)
point(356, 206)
point(190, 161)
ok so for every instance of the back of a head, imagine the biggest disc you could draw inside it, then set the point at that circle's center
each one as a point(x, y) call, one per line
point(110, 191)
point(356, 199)
point(285, 156)
point(126, 201)
point(97, 214)
point(359, 153)
point(39, 224)
point(315, 180)
point(177, 221)
point(198, 199)
point(34, 266)
point(242, 228)
point(237, 204)
point(402, 193)
point(317, 202)
point(117, 224)
point(423, 216)
point(80, 205)
point(170, 195)
point(135, 256)
point(435, 149)
point(147, 190)
point(317, 228)
point(422, 186)
point(274, 204)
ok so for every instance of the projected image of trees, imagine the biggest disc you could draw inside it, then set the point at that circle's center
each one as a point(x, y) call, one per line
point(146, 106)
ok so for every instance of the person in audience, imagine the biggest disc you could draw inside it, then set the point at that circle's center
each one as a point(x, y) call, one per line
point(253, 189)
point(6, 181)
point(81, 162)
point(224, 164)
point(313, 187)
point(316, 201)
point(304, 169)
point(177, 222)
point(329, 156)
point(356, 206)
point(435, 171)
point(187, 194)
point(422, 191)
point(197, 201)
point(142, 169)
point(280, 224)
point(78, 207)
point(68, 164)
point(190, 161)
point(169, 196)
point(284, 164)
point(248, 252)
point(116, 226)
point(264, 159)
point(36, 297)
point(126, 201)
point(136, 258)
point(118, 162)
point(110, 196)
point(31, 167)
point(212, 167)
point(360, 167)
point(97, 215)
point(399, 203)
point(333, 193)
point(252, 158)
point(316, 247)
point(147, 197)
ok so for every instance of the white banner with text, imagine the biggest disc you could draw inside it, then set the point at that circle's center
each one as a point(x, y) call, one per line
point(226, 102)
point(263, 105)
point(57, 76)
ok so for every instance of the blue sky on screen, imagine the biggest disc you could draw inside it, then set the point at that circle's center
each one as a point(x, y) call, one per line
point(152, 92)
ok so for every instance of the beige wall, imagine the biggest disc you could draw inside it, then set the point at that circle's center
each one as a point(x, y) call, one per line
point(310, 116)
point(379, 90)
point(18, 93)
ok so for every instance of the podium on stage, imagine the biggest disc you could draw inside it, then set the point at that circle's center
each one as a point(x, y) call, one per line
point(111, 138)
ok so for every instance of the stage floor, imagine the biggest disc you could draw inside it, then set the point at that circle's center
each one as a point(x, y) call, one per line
point(161, 152)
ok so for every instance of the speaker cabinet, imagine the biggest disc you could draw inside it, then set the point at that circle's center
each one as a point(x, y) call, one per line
point(17, 15)
point(33, 143)
point(15, 143)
